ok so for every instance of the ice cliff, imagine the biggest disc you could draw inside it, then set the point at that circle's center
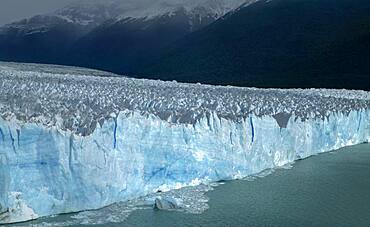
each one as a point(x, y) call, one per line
point(74, 139)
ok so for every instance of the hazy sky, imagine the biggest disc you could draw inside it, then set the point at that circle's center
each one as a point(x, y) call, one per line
point(11, 10)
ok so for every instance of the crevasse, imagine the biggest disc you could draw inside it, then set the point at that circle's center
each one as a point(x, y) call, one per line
point(47, 171)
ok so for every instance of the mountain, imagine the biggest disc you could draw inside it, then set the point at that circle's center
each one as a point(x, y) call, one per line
point(115, 35)
point(127, 44)
point(278, 43)
point(47, 38)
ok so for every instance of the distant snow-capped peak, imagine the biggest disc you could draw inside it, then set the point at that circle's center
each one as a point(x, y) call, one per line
point(92, 13)
point(96, 11)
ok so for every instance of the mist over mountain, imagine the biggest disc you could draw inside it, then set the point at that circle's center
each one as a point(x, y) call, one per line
point(14, 10)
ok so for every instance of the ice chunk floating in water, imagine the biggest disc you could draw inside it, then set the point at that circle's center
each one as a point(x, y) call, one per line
point(73, 139)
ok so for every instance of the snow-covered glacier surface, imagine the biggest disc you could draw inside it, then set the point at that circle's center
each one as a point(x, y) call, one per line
point(73, 139)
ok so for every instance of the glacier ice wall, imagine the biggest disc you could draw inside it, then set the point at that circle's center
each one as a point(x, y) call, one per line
point(48, 167)
point(47, 171)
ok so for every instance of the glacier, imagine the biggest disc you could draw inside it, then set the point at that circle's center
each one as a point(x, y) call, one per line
point(74, 139)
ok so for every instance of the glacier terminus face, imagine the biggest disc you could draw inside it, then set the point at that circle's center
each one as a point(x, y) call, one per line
point(73, 139)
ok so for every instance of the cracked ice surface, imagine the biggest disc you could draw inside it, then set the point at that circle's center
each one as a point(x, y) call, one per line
point(79, 99)
point(73, 139)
